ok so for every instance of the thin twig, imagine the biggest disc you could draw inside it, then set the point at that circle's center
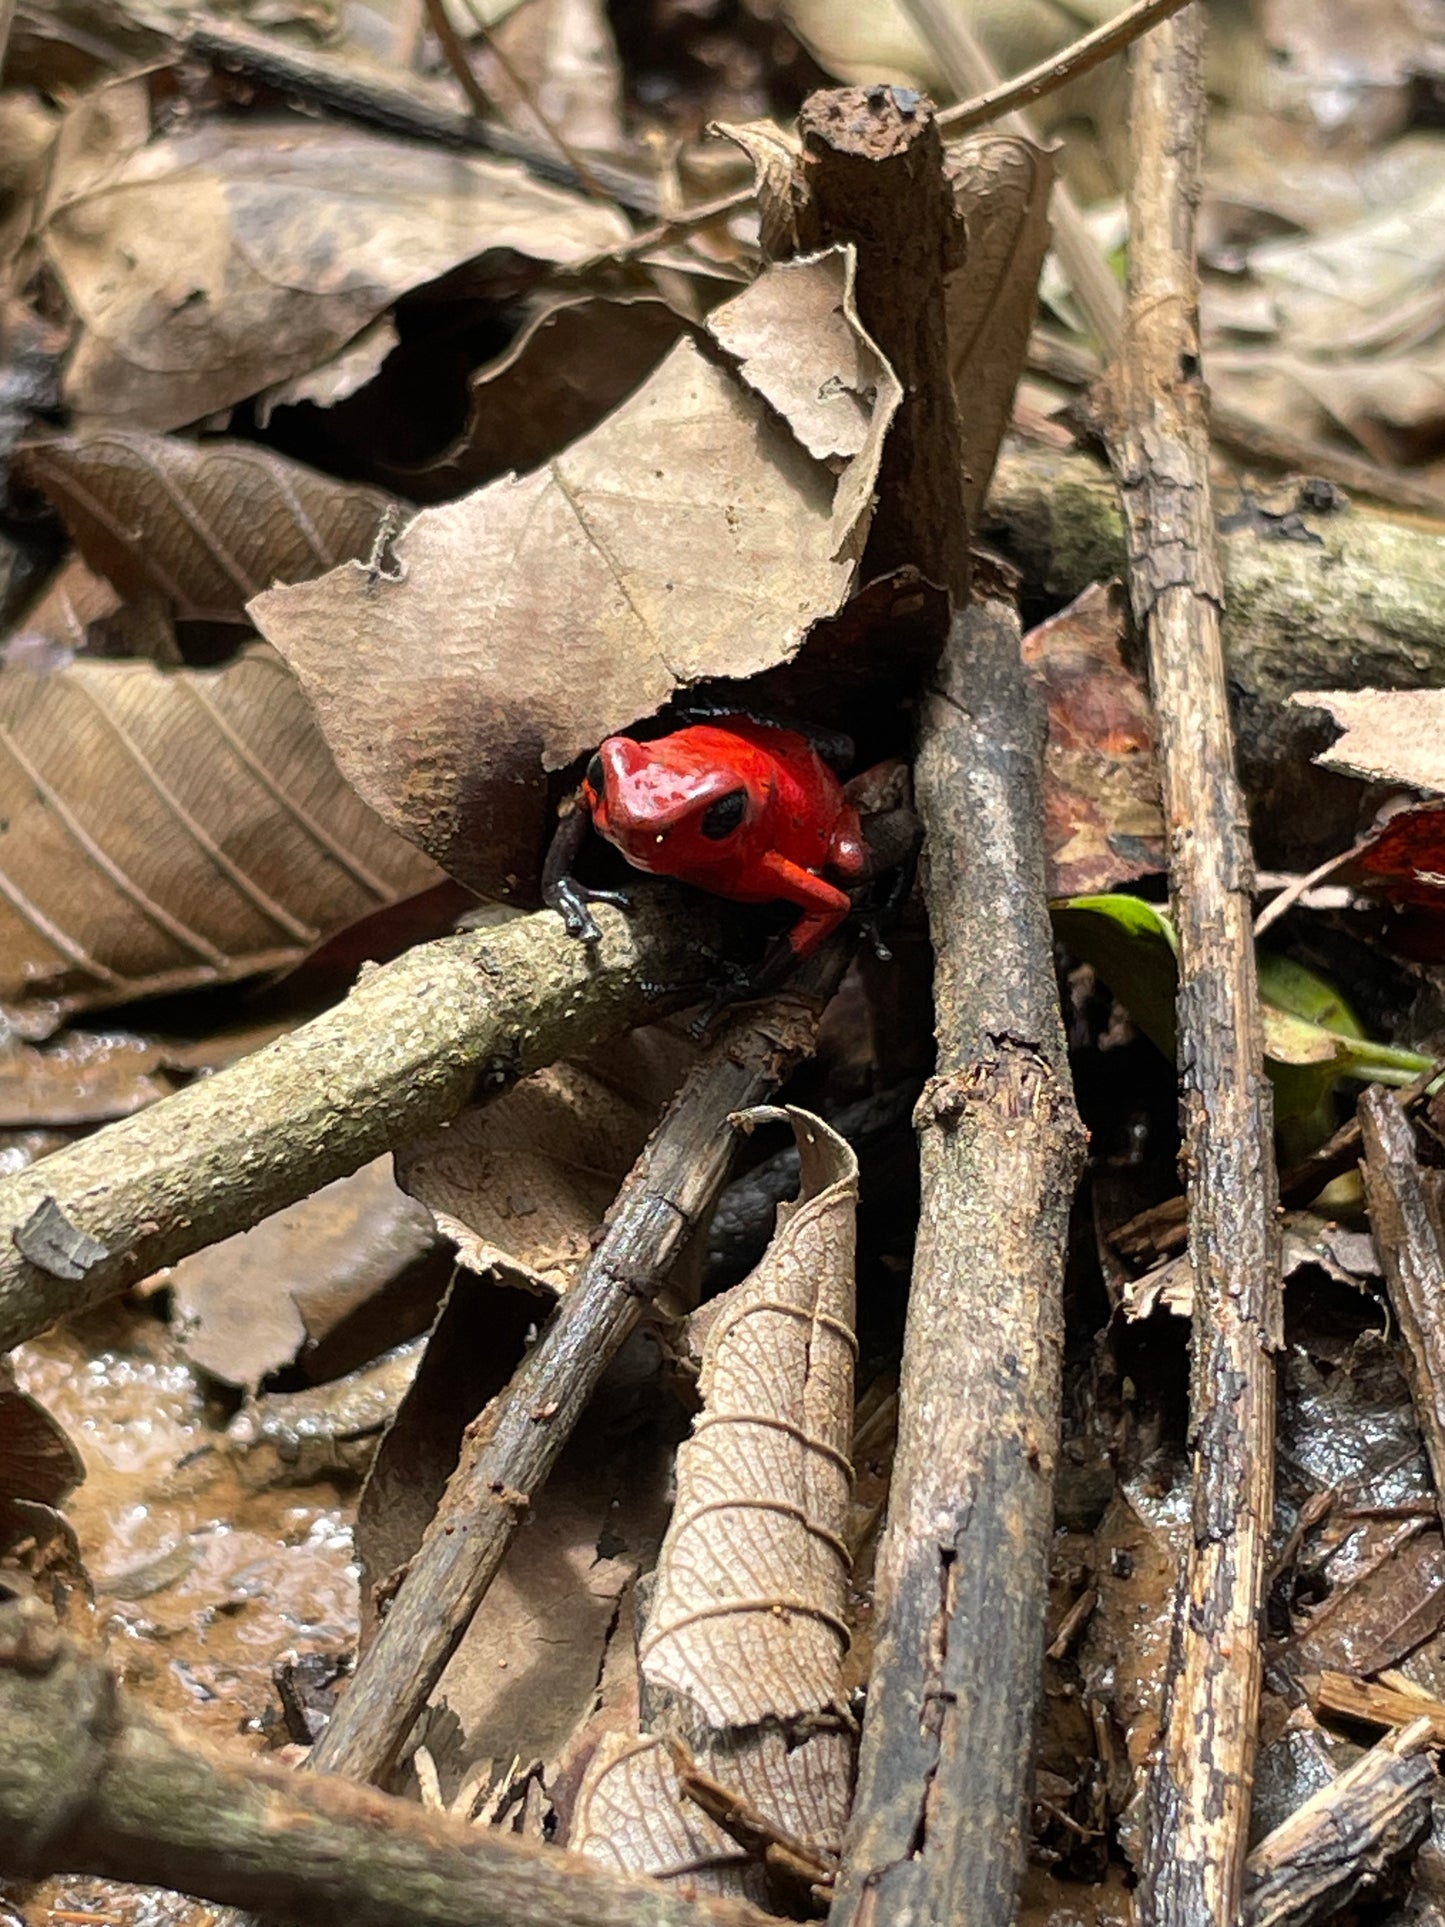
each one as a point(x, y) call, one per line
point(512, 1447)
point(1196, 1820)
point(409, 110)
point(450, 42)
point(90, 1785)
point(1086, 53)
point(405, 1051)
point(1404, 1220)
point(970, 71)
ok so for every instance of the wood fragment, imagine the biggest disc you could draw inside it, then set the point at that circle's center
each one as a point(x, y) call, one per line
point(1196, 1819)
point(940, 1824)
point(1405, 1220)
point(88, 1785)
point(413, 1043)
point(508, 1451)
point(1340, 1846)
point(1372, 1703)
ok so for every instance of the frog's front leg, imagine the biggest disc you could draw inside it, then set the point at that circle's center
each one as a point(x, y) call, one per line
point(561, 891)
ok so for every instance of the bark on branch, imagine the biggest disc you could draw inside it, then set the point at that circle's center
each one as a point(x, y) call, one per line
point(940, 1825)
point(1198, 1794)
point(413, 1043)
point(89, 1786)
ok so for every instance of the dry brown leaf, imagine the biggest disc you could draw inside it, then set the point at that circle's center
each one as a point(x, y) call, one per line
point(524, 1182)
point(38, 1462)
point(572, 365)
point(564, 55)
point(688, 537)
point(163, 830)
point(246, 1306)
point(205, 525)
point(1001, 189)
point(219, 258)
point(746, 1624)
point(1390, 735)
point(747, 1619)
point(1103, 824)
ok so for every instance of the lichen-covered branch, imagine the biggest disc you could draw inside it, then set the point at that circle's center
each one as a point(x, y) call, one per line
point(414, 1041)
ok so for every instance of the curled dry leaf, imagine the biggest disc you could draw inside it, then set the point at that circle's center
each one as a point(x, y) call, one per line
point(216, 259)
point(746, 1627)
point(204, 525)
point(523, 1182)
point(164, 830)
point(689, 536)
point(1001, 187)
point(38, 1463)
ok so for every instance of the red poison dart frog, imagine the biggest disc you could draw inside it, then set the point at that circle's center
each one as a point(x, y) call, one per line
point(743, 808)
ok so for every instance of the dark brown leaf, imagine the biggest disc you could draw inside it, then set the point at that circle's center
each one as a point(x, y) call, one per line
point(216, 259)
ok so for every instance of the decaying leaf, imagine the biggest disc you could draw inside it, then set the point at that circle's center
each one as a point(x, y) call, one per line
point(688, 537)
point(38, 1463)
point(1001, 189)
point(246, 1306)
point(205, 525)
point(162, 830)
point(524, 1182)
point(213, 260)
point(1103, 824)
point(745, 1629)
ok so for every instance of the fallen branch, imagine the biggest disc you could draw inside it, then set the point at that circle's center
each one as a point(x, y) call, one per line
point(1195, 1833)
point(406, 1050)
point(940, 1824)
point(511, 1448)
point(89, 1786)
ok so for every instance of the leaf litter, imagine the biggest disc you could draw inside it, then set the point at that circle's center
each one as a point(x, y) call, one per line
point(296, 280)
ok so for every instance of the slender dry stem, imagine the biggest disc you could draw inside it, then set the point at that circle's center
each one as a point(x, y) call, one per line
point(1195, 1832)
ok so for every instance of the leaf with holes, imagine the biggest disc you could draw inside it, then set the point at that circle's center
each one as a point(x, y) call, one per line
point(160, 831)
point(204, 525)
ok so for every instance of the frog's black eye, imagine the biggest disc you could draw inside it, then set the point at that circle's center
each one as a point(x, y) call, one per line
point(596, 777)
point(720, 819)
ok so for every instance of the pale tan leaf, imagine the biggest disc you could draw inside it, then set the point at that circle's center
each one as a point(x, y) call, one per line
point(524, 1181)
point(58, 623)
point(205, 525)
point(747, 1619)
point(563, 54)
point(1390, 735)
point(163, 830)
point(631, 1815)
point(688, 537)
point(216, 259)
point(1001, 188)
